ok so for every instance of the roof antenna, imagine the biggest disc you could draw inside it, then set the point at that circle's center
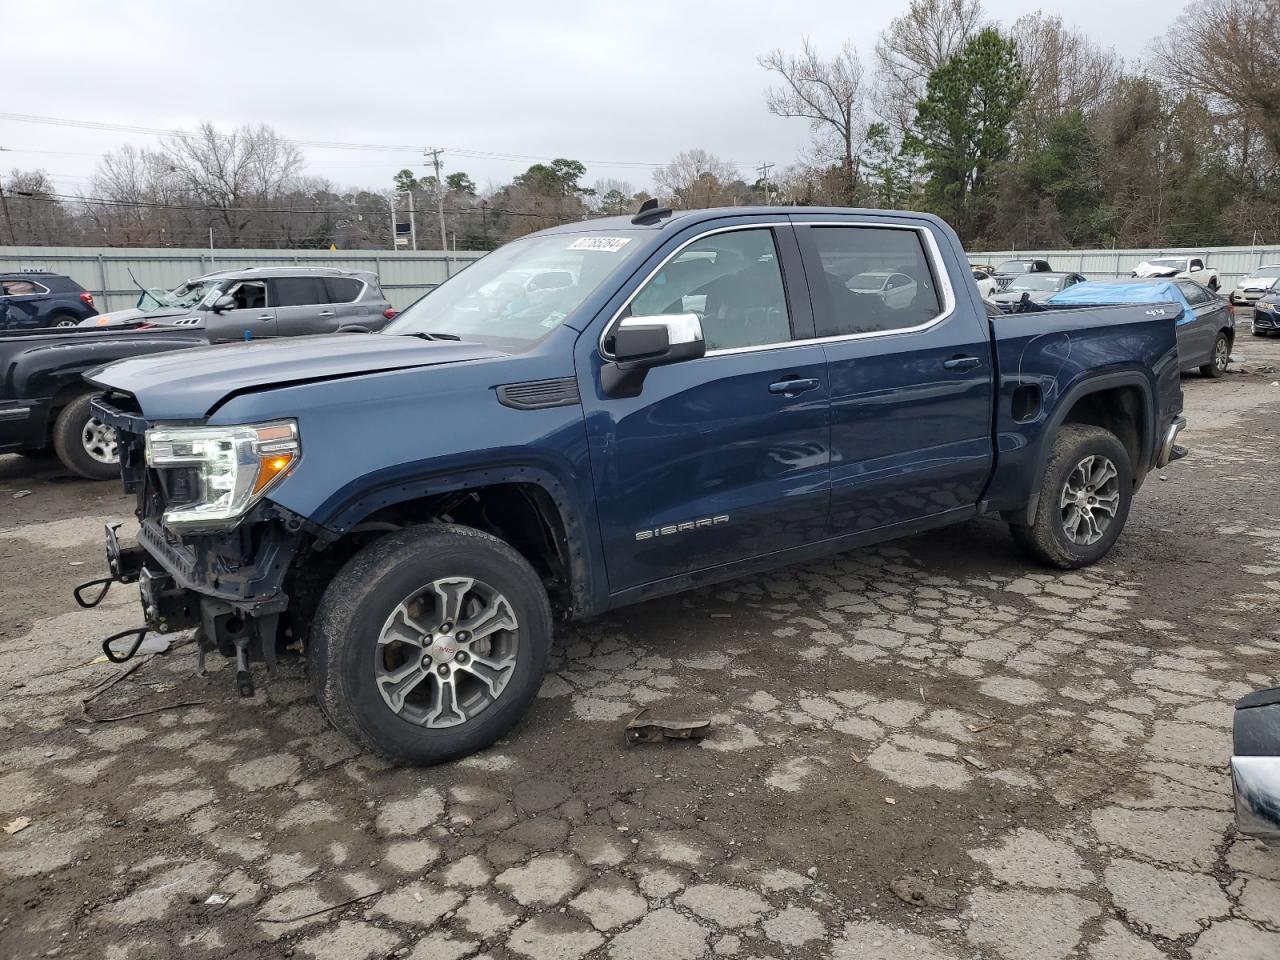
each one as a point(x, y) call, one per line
point(650, 212)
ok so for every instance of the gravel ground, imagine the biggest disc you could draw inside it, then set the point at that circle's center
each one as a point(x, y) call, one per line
point(930, 750)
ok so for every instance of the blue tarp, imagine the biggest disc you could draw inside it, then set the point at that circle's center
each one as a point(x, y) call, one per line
point(1139, 291)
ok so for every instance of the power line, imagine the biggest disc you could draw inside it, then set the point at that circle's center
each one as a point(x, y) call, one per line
point(314, 144)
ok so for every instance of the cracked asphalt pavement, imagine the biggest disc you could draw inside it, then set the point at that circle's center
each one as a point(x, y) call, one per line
point(930, 750)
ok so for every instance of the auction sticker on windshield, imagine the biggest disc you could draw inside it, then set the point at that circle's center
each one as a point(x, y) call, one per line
point(602, 244)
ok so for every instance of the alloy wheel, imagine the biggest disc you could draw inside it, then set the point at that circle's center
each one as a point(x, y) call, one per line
point(99, 441)
point(447, 652)
point(1089, 500)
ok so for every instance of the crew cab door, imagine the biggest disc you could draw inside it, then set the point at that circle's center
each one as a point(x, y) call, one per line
point(911, 381)
point(1199, 329)
point(725, 457)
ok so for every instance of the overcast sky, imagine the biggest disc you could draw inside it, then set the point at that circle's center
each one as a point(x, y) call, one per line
point(630, 83)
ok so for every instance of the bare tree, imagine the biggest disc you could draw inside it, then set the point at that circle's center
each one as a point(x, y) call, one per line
point(827, 93)
point(233, 172)
point(1222, 49)
point(1065, 69)
point(913, 46)
point(696, 178)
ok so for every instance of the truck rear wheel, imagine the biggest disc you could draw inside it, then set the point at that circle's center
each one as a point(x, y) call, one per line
point(85, 444)
point(430, 643)
point(1084, 499)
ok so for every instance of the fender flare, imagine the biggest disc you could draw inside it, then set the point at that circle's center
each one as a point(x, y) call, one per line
point(1079, 390)
point(584, 555)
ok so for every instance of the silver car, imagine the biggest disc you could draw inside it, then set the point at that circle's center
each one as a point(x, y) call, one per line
point(263, 302)
point(1258, 282)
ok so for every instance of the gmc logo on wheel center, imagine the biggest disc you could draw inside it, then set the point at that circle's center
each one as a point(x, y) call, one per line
point(669, 529)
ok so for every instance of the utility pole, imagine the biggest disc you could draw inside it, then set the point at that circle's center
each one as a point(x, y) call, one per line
point(763, 170)
point(434, 154)
point(413, 224)
point(391, 202)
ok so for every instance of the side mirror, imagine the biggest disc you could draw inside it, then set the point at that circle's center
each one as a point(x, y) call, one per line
point(1255, 765)
point(640, 343)
point(223, 304)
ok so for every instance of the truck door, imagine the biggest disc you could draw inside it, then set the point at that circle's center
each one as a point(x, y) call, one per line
point(911, 382)
point(1198, 329)
point(722, 458)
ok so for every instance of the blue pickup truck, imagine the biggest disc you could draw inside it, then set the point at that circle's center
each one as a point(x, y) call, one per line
point(603, 413)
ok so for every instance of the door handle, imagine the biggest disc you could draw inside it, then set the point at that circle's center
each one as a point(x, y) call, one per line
point(793, 387)
point(266, 316)
point(325, 313)
point(961, 363)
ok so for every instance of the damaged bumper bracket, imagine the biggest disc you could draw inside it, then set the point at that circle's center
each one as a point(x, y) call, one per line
point(124, 566)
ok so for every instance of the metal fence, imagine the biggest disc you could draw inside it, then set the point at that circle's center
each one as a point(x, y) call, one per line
point(1232, 263)
point(105, 271)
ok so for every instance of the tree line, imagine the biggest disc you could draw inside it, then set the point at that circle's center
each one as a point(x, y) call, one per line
point(1028, 135)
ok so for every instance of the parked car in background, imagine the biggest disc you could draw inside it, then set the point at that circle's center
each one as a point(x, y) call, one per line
point(1178, 268)
point(34, 299)
point(1036, 286)
point(1206, 323)
point(1255, 284)
point(1266, 315)
point(1010, 269)
point(711, 397)
point(897, 290)
point(985, 281)
point(264, 302)
point(44, 400)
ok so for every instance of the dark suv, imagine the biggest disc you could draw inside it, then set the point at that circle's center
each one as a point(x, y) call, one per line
point(37, 298)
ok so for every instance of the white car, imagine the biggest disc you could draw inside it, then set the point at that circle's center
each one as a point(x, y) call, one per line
point(1256, 283)
point(897, 290)
point(986, 284)
point(1179, 268)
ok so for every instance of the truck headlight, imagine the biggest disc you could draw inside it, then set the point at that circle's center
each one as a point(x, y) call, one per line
point(220, 472)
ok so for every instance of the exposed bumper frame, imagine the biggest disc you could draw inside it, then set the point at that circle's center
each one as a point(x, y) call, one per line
point(1169, 448)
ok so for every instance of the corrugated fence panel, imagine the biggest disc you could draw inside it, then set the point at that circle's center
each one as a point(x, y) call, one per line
point(106, 271)
point(1232, 263)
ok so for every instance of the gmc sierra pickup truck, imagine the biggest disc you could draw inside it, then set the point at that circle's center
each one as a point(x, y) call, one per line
point(599, 414)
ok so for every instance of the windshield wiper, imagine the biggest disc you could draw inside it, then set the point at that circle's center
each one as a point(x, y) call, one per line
point(434, 336)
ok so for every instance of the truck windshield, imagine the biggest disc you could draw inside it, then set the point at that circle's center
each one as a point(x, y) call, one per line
point(1015, 266)
point(1040, 282)
point(519, 293)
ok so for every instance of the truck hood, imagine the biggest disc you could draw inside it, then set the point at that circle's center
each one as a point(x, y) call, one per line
point(189, 384)
point(130, 314)
point(1149, 270)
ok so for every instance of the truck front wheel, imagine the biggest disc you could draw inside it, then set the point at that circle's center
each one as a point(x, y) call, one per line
point(430, 643)
point(1084, 499)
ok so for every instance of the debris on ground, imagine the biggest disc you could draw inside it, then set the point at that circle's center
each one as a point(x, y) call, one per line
point(21, 493)
point(14, 826)
point(924, 893)
point(652, 730)
point(974, 762)
point(218, 899)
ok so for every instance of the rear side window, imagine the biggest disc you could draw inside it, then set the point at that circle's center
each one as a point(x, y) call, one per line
point(732, 281)
point(298, 292)
point(63, 285)
point(847, 254)
point(341, 289)
point(20, 288)
point(1194, 294)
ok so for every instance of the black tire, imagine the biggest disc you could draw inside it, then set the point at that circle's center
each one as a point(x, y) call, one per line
point(362, 597)
point(70, 444)
point(1213, 284)
point(64, 320)
point(1046, 538)
point(1220, 359)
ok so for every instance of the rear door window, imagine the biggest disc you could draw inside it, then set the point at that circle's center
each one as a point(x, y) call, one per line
point(298, 291)
point(846, 253)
